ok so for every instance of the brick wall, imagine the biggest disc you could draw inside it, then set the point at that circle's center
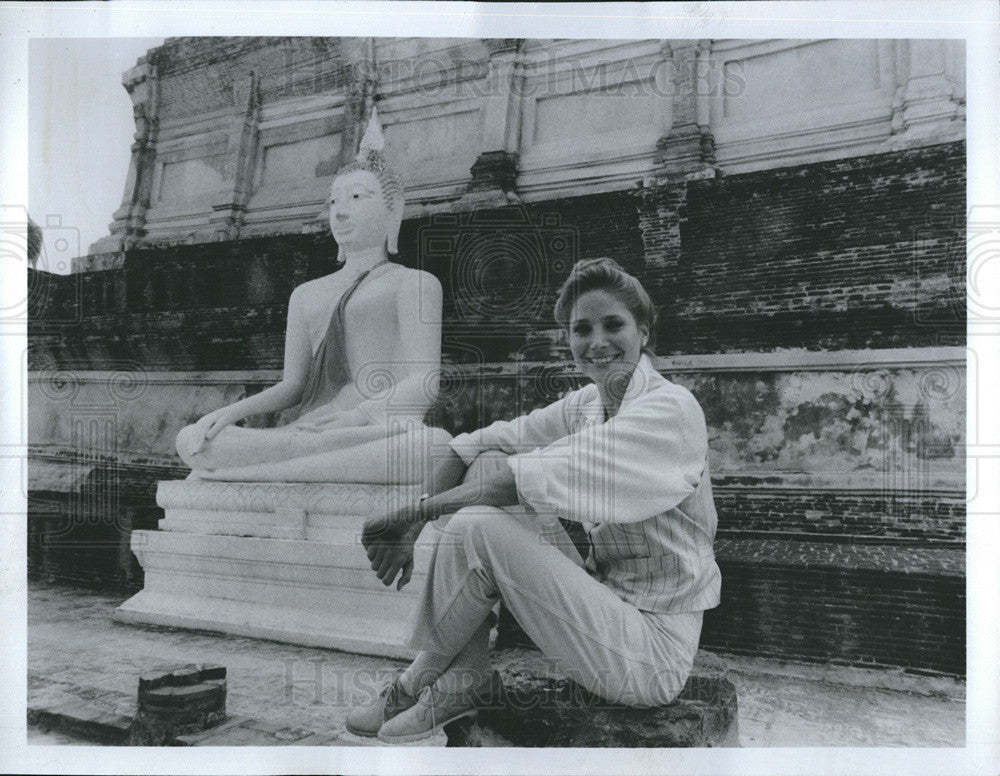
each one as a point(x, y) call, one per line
point(896, 517)
point(197, 74)
point(857, 253)
point(914, 619)
point(754, 262)
point(216, 306)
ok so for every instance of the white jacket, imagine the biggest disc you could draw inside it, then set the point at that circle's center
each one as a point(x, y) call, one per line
point(639, 483)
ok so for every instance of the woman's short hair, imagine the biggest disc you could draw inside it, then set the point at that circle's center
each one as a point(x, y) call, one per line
point(607, 275)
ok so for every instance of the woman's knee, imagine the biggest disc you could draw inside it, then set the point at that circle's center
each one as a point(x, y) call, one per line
point(438, 436)
point(477, 522)
point(485, 464)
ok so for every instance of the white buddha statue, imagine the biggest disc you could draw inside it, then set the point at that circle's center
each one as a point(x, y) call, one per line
point(362, 358)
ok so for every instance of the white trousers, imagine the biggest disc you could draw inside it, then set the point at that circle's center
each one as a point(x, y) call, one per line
point(485, 554)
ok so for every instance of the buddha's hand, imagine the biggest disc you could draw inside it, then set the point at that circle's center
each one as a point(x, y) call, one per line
point(389, 540)
point(210, 425)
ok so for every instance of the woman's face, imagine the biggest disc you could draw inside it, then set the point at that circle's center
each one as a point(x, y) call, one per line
point(359, 217)
point(604, 336)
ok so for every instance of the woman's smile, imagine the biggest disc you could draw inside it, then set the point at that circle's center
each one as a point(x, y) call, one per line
point(603, 359)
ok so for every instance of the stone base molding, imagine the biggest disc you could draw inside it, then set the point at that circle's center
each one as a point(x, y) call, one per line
point(279, 561)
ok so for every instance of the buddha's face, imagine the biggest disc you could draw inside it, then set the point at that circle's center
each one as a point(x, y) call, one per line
point(359, 215)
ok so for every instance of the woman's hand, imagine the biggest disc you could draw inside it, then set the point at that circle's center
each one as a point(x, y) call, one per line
point(211, 424)
point(389, 540)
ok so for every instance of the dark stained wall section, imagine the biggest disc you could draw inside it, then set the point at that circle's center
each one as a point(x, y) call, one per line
point(861, 253)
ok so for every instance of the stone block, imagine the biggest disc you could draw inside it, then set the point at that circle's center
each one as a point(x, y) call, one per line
point(82, 720)
point(178, 677)
point(280, 561)
point(539, 709)
point(178, 701)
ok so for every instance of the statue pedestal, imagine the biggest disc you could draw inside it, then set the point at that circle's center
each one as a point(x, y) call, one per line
point(279, 561)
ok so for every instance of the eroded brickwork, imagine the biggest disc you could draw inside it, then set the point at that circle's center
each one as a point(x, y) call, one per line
point(198, 75)
point(858, 253)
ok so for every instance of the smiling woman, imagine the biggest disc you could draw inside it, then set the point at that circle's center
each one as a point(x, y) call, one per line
point(626, 457)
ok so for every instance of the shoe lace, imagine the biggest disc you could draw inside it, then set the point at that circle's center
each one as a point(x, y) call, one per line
point(391, 694)
point(427, 697)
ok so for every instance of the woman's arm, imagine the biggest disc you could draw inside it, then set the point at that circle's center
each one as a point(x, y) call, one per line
point(497, 489)
point(539, 428)
point(389, 540)
point(644, 461)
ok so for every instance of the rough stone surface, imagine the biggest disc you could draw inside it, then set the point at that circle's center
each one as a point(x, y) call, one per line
point(537, 709)
point(76, 653)
point(178, 701)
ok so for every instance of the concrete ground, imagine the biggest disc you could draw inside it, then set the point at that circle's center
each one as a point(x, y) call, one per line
point(76, 651)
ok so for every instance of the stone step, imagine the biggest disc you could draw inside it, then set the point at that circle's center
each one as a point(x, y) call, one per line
point(295, 524)
point(300, 591)
point(335, 627)
point(299, 560)
point(273, 570)
point(264, 497)
point(281, 524)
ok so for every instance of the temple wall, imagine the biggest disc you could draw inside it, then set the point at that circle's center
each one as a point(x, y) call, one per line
point(808, 270)
point(241, 136)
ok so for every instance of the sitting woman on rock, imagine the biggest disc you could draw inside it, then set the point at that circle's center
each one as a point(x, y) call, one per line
point(625, 456)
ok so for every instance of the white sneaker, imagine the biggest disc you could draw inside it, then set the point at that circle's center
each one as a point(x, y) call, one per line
point(437, 707)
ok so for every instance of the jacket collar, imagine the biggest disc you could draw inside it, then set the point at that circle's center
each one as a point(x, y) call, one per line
point(643, 380)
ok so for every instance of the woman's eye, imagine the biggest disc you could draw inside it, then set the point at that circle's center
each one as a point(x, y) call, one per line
point(581, 330)
point(614, 326)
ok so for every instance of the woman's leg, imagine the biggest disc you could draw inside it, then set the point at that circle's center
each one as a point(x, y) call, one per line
point(466, 669)
point(474, 656)
point(484, 554)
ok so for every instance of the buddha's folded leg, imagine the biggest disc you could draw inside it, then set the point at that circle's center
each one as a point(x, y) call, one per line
point(235, 447)
point(402, 458)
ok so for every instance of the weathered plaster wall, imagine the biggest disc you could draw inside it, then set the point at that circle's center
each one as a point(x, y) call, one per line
point(816, 454)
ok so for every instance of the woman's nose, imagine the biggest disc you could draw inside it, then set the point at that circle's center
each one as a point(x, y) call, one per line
point(598, 340)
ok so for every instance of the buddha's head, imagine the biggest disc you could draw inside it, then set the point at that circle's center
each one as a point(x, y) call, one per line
point(366, 199)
